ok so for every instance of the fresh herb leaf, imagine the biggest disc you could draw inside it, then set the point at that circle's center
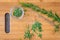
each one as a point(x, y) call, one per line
point(39, 29)
point(34, 27)
point(36, 8)
point(28, 34)
point(30, 5)
point(50, 14)
point(56, 18)
point(57, 27)
point(26, 5)
point(37, 26)
point(17, 12)
point(44, 11)
point(40, 35)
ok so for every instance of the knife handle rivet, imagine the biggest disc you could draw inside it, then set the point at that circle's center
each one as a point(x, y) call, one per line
point(7, 22)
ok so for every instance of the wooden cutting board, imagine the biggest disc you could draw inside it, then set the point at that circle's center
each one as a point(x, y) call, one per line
point(18, 27)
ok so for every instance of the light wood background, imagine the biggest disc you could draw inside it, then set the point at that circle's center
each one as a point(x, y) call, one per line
point(30, 0)
point(18, 27)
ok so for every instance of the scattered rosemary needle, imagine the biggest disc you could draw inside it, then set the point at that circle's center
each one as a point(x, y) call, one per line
point(43, 11)
point(40, 35)
point(50, 14)
point(57, 27)
point(37, 26)
point(56, 18)
point(28, 34)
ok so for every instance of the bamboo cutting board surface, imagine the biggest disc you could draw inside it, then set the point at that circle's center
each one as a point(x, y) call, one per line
point(18, 27)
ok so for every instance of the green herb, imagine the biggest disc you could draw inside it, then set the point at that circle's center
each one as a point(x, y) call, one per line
point(28, 34)
point(17, 12)
point(56, 18)
point(40, 35)
point(37, 26)
point(30, 5)
point(43, 11)
point(57, 27)
point(50, 14)
point(26, 5)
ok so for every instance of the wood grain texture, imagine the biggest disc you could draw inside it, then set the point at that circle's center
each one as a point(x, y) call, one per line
point(30, 0)
point(18, 27)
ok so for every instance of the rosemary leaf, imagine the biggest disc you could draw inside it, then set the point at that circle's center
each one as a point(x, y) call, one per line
point(56, 18)
point(57, 27)
point(37, 26)
point(43, 11)
point(28, 34)
point(40, 35)
point(50, 14)
point(26, 5)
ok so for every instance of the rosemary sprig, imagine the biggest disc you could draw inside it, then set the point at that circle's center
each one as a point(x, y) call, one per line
point(28, 34)
point(37, 26)
point(43, 11)
point(50, 14)
point(30, 5)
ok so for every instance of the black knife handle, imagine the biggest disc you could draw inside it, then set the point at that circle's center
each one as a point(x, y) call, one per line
point(7, 23)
